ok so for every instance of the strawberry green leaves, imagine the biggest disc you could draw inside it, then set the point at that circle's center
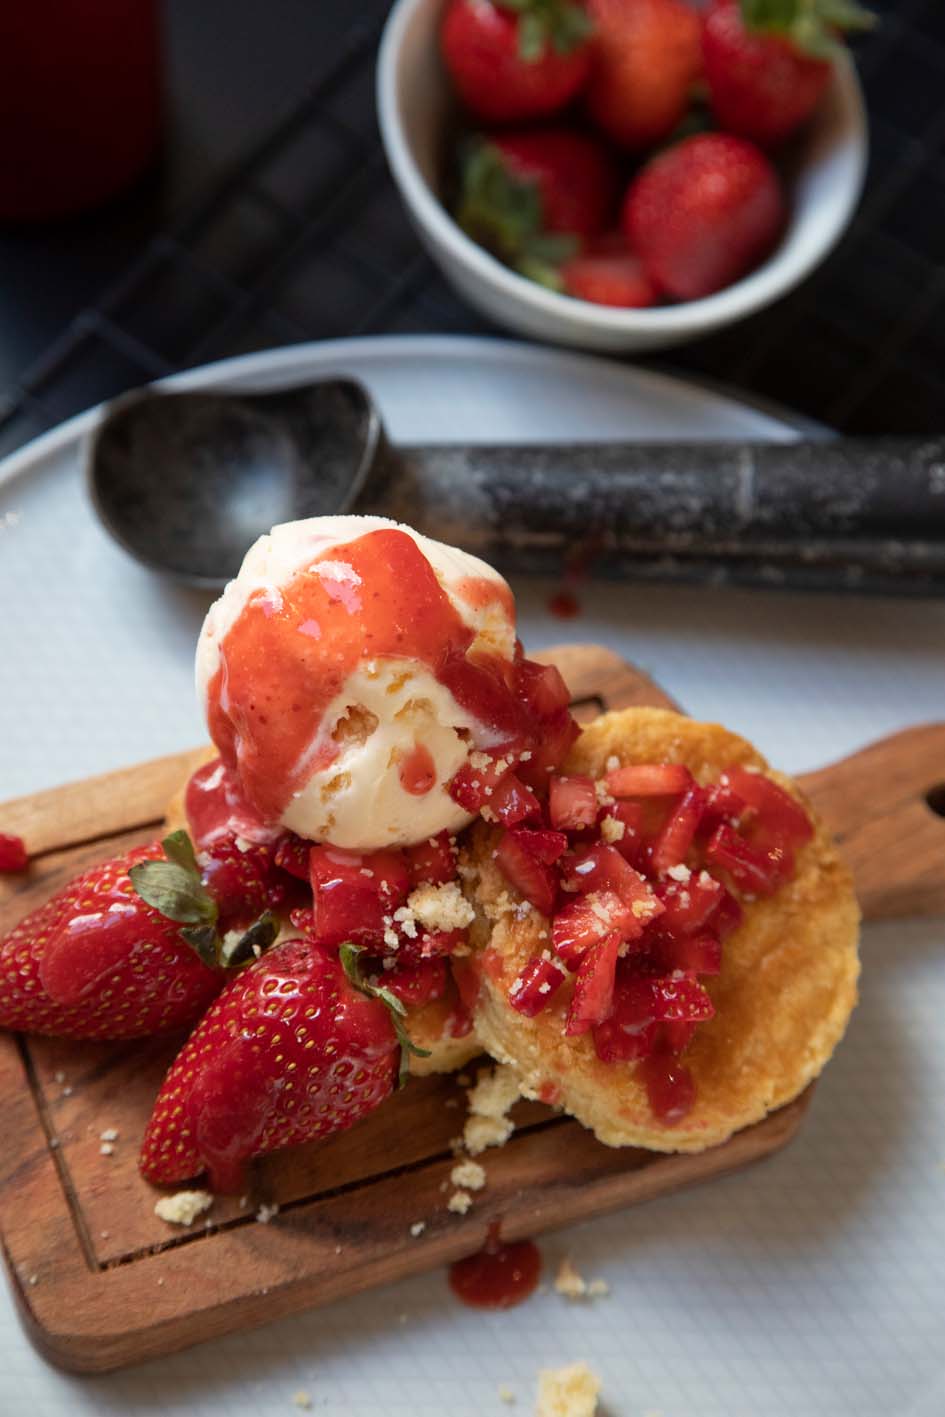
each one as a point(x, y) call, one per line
point(504, 213)
point(558, 23)
point(350, 956)
point(174, 888)
point(812, 25)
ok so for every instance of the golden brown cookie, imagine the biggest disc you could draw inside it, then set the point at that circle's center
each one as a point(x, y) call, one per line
point(783, 998)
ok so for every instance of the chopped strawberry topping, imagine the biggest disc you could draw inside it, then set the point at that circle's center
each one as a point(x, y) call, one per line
point(688, 903)
point(572, 803)
point(535, 986)
point(757, 871)
point(355, 895)
point(695, 954)
point(432, 862)
point(593, 995)
point(584, 922)
point(670, 1088)
point(649, 780)
point(292, 855)
point(416, 983)
point(778, 815)
point(543, 688)
point(531, 877)
point(672, 845)
point(512, 802)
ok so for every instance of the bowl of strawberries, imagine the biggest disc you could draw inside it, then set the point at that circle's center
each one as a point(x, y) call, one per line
point(624, 174)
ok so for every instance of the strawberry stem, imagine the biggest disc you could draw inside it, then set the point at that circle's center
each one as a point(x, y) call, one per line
point(350, 956)
point(562, 24)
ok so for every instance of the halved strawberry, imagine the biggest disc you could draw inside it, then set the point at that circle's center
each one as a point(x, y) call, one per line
point(512, 802)
point(535, 986)
point(779, 816)
point(679, 830)
point(585, 921)
point(593, 995)
point(755, 870)
point(432, 862)
point(531, 877)
point(649, 780)
point(352, 893)
point(572, 803)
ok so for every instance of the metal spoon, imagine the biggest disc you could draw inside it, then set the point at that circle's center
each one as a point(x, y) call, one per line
point(186, 482)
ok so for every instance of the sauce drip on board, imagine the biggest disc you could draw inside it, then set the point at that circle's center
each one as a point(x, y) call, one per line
point(376, 597)
point(499, 1276)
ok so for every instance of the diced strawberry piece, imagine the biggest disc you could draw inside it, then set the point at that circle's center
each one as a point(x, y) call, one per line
point(603, 868)
point(688, 904)
point(585, 921)
point(670, 998)
point(695, 954)
point(416, 982)
point(292, 855)
point(616, 1042)
point(557, 735)
point(721, 805)
point(531, 877)
point(728, 917)
point(353, 893)
point(779, 815)
point(471, 787)
point(431, 862)
point(542, 688)
point(535, 986)
point(13, 854)
point(676, 837)
point(435, 943)
point(674, 1037)
point(572, 803)
point(512, 802)
point(669, 1086)
point(755, 870)
point(593, 995)
point(649, 780)
point(630, 815)
point(544, 846)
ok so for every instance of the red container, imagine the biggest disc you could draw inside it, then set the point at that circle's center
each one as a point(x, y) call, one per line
point(80, 102)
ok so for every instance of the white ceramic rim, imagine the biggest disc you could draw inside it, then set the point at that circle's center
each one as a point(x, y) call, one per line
point(781, 273)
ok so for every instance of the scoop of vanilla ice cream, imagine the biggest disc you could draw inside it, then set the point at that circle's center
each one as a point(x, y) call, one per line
point(387, 706)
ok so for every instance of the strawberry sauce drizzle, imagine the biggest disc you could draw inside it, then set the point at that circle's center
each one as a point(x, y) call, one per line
point(418, 771)
point(268, 698)
point(499, 1276)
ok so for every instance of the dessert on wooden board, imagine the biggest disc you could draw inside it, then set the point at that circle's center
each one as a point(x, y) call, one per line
point(403, 850)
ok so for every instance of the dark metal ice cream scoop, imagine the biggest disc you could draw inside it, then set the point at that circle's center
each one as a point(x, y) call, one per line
point(187, 481)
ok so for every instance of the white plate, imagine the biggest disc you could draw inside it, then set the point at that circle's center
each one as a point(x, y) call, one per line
point(812, 1285)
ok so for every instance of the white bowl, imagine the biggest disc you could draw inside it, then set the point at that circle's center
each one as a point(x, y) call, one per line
point(415, 105)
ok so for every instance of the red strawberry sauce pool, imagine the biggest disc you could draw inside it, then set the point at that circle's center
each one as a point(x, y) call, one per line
point(276, 678)
point(499, 1276)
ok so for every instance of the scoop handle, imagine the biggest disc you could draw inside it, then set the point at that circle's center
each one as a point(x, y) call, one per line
point(886, 807)
point(861, 514)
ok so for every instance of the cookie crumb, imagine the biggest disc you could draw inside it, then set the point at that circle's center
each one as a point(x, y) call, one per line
point(183, 1207)
point(598, 1289)
point(107, 1149)
point(571, 1391)
point(469, 1175)
point(417, 1228)
point(302, 1399)
point(506, 1394)
point(459, 1202)
point(568, 1282)
point(495, 1091)
point(109, 1134)
point(265, 1213)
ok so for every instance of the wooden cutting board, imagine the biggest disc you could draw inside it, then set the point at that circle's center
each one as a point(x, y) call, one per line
point(101, 1282)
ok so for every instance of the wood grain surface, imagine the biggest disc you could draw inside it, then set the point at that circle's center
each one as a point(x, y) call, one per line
point(101, 1282)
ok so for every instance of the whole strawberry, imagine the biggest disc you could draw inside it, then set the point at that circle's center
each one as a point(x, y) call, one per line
point(96, 961)
point(290, 1052)
point(606, 272)
point(645, 56)
point(704, 213)
point(515, 59)
point(768, 62)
